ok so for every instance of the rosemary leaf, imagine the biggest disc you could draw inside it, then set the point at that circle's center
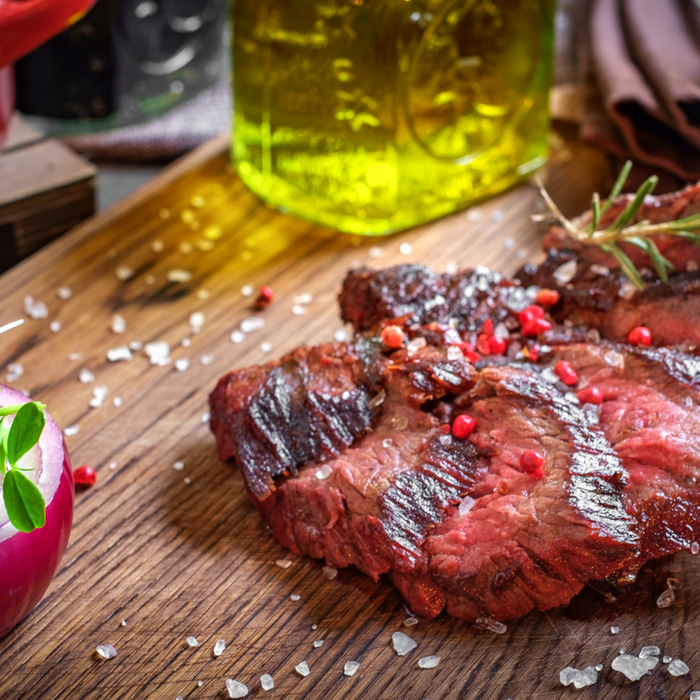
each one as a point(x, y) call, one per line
point(595, 219)
point(626, 265)
point(694, 237)
point(631, 210)
point(688, 222)
point(659, 261)
point(617, 188)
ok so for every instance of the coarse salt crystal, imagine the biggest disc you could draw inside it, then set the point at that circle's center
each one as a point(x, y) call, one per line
point(266, 347)
point(123, 623)
point(318, 643)
point(466, 504)
point(410, 621)
point(219, 647)
point(303, 299)
point(117, 401)
point(521, 254)
point(203, 294)
point(295, 597)
point(252, 324)
point(695, 695)
point(314, 627)
point(627, 289)
point(302, 669)
point(157, 246)
point(580, 679)
point(178, 275)
point(267, 682)
point(124, 272)
point(55, 326)
point(473, 215)
point(237, 337)
point(403, 644)
point(599, 667)
point(64, 293)
point(178, 466)
point(405, 249)
point(192, 641)
point(35, 309)
point(135, 345)
point(497, 215)
point(429, 661)
point(75, 357)
point(694, 548)
point(600, 270)
point(158, 353)
point(106, 651)
point(377, 400)
point(649, 651)
point(206, 359)
point(324, 471)
point(490, 624)
point(375, 252)
point(71, 430)
point(236, 689)
point(86, 376)
point(299, 310)
point(205, 418)
point(451, 268)
point(633, 667)
point(666, 599)
point(14, 371)
point(283, 563)
point(454, 353)
point(182, 364)
point(566, 272)
point(247, 291)
point(122, 353)
point(509, 244)
point(445, 440)
point(329, 572)
point(196, 321)
point(187, 480)
point(667, 659)
point(113, 465)
point(340, 336)
point(678, 668)
point(614, 358)
point(118, 324)
point(99, 394)
point(351, 668)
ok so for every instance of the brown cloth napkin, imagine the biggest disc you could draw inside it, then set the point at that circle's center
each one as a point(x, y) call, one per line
point(640, 82)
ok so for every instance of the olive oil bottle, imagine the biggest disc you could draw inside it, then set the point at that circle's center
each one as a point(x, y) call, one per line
point(372, 116)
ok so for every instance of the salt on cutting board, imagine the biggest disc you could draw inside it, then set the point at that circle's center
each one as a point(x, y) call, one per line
point(178, 553)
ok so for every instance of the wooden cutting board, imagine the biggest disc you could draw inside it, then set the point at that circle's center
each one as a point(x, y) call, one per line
point(158, 554)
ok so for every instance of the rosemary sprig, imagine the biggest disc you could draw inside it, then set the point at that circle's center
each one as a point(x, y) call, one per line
point(622, 231)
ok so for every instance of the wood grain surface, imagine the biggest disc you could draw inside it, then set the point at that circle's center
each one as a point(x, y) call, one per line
point(158, 554)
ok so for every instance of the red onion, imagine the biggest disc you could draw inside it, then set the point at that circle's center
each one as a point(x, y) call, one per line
point(28, 561)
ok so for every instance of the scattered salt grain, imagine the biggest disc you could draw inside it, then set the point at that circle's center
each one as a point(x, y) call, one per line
point(429, 662)
point(509, 244)
point(340, 336)
point(182, 364)
point(248, 290)
point(236, 689)
point(267, 682)
point(106, 651)
point(178, 275)
point(99, 394)
point(497, 215)
point(351, 668)
point(252, 324)
point(403, 644)
point(580, 679)
point(454, 353)
point(118, 324)
point(123, 623)
point(35, 309)
point(122, 353)
point(204, 418)
point(283, 563)
point(521, 254)
point(157, 246)
point(571, 397)
point(86, 376)
point(678, 668)
point(150, 279)
point(451, 268)
point(649, 651)
point(299, 310)
point(303, 299)
point(135, 345)
point(187, 480)
point(614, 358)
point(405, 249)
point(55, 326)
point(377, 400)
point(64, 293)
point(266, 347)
point(627, 289)
point(200, 683)
point(410, 621)
point(666, 599)
point(473, 215)
point(324, 471)
point(622, 650)
point(599, 668)
point(566, 272)
point(117, 401)
point(196, 322)
point(186, 342)
point(206, 359)
point(375, 252)
point(302, 669)
point(237, 337)
point(178, 466)
point(124, 272)
point(445, 440)
point(329, 572)
point(318, 643)
point(71, 430)
point(295, 597)
point(488, 623)
point(695, 695)
point(158, 353)
point(202, 294)
point(600, 270)
point(14, 371)
point(314, 627)
point(694, 548)
point(219, 647)
point(633, 667)
point(548, 375)
point(667, 659)
point(192, 641)
point(466, 504)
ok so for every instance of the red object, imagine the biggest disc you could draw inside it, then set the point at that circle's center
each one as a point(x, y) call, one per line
point(536, 326)
point(482, 344)
point(488, 327)
point(640, 336)
point(468, 352)
point(547, 297)
point(463, 426)
point(393, 337)
point(444, 428)
point(265, 297)
point(530, 313)
point(565, 372)
point(7, 101)
point(531, 462)
point(497, 346)
point(590, 395)
point(84, 477)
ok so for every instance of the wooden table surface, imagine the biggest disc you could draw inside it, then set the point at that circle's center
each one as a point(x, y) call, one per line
point(158, 554)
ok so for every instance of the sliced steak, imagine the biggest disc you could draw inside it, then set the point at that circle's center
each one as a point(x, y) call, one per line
point(608, 303)
point(517, 542)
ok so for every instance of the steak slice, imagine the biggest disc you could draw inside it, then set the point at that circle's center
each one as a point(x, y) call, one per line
point(370, 503)
point(611, 305)
point(517, 542)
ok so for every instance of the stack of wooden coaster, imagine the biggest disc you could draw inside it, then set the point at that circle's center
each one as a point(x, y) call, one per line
point(45, 189)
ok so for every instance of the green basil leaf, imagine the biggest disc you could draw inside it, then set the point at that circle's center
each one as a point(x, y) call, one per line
point(25, 505)
point(25, 431)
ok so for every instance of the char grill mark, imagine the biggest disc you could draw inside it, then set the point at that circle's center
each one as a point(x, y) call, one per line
point(525, 543)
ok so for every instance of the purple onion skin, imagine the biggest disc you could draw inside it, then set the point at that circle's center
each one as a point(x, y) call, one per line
point(28, 561)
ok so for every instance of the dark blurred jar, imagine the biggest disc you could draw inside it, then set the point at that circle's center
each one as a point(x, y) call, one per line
point(125, 62)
